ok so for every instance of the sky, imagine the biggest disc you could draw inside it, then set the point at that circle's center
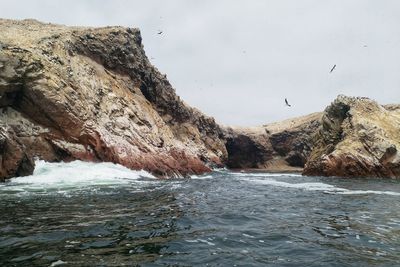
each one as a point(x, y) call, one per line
point(237, 60)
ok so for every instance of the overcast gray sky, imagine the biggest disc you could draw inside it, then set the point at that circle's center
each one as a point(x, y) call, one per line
point(238, 60)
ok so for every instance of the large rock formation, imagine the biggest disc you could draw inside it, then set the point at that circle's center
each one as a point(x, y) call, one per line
point(91, 94)
point(280, 146)
point(357, 138)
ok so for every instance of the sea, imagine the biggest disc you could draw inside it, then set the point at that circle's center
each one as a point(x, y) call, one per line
point(103, 214)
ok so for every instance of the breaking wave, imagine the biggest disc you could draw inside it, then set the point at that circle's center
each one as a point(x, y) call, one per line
point(75, 174)
point(317, 186)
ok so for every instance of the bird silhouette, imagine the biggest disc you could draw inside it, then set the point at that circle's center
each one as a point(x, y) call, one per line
point(334, 67)
point(159, 32)
point(287, 103)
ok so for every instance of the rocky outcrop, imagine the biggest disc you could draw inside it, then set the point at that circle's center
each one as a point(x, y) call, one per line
point(91, 94)
point(281, 146)
point(357, 138)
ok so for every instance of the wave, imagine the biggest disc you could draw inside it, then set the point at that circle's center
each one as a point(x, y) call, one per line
point(75, 174)
point(201, 177)
point(318, 186)
point(265, 174)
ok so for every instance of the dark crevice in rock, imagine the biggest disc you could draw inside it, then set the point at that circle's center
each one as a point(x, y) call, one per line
point(243, 152)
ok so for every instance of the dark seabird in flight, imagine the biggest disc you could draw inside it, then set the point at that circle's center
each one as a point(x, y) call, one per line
point(334, 66)
point(159, 32)
point(287, 103)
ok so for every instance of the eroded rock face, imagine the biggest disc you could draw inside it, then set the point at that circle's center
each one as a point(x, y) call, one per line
point(357, 138)
point(14, 161)
point(281, 146)
point(248, 149)
point(91, 94)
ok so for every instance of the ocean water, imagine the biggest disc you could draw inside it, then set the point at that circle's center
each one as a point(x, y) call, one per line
point(102, 214)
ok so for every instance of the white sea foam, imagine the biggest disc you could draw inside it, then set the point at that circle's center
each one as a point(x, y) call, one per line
point(206, 242)
point(265, 174)
point(249, 236)
point(75, 174)
point(57, 263)
point(191, 241)
point(317, 186)
point(201, 177)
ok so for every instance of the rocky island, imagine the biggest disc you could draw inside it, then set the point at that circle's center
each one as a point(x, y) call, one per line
point(357, 138)
point(91, 94)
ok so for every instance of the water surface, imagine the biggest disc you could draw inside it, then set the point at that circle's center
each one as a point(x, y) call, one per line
point(86, 214)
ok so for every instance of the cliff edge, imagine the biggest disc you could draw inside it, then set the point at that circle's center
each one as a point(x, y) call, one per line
point(91, 94)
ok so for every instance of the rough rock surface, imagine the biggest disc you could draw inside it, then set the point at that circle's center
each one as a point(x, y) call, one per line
point(14, 160)
point(357, 138)
point(90, 93)
point(280, 146)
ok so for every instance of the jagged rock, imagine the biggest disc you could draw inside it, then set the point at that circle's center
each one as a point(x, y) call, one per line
point(357, 138)
point(91, 94)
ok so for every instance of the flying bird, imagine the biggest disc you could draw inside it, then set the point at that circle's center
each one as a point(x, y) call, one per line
point(159, 32)
point(287, 103)
point(334, 67)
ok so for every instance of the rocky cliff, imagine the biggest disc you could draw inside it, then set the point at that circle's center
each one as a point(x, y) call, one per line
point(91, 93)
point(280, 146)
point(357, 138)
